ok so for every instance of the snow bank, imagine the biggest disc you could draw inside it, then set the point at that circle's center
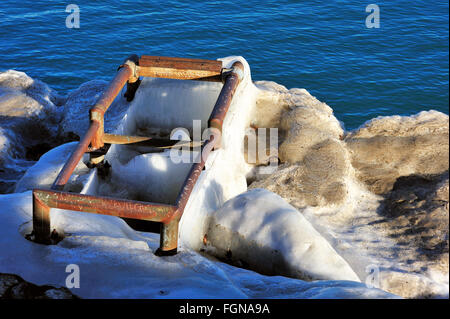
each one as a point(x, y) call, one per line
point(44, 172)
point(76, 109)
point(117, 262)
point(389, 147)
point(260, 230)
point(29, 116)
point(315, 161)
point(334, 178)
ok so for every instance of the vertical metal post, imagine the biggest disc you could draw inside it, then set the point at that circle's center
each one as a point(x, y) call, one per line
point(168, 238)
point(41, 221)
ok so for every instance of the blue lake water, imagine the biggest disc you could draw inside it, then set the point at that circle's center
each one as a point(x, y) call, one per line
point(400, 68)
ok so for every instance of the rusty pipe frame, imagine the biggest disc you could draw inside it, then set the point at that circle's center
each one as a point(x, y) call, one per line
point(169, 242)
point(232, 80)
point(168, 215)
point(148, 141)
point(104, 205)
point(180, 68)
point(94, 136)
point(75, 158)
point(127, 73)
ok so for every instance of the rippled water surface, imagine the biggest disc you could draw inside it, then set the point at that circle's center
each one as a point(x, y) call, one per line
point(325, 47)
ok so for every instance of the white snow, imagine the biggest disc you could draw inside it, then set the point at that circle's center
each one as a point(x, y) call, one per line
point(117, 262)
point(44, 172)
point(261, 229)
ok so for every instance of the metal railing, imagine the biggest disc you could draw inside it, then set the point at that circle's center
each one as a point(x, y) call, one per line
point(96, 142)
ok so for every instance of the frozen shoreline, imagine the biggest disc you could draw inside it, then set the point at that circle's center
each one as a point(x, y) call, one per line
point(335, 212)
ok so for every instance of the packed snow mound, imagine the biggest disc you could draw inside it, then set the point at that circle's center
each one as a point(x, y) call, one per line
point(29, 117)
point(260, 230)
point(76, 109)
point(44, 172)
point(387, 148)
point(335, 178)
point(22, 96)
point(316, 160)
point(415, 214)
point(118, 262)
point(318, 180)
point(423, 123)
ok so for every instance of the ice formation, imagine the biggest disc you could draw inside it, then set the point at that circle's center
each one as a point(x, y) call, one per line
point(377, 190)
point(338, 227)
point(260, 230)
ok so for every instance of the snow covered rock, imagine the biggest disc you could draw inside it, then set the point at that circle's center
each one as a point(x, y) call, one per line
point(76, 109)
point(335, 178)
point(44, 172)
point(29, 117)
point(316, 162)
point(389, 147)
point(14, 287)
point(258, 229)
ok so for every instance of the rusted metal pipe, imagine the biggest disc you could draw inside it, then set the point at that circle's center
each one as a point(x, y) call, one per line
point(180, 68)
point(128, 72)
point(41, 221)
point(105, 100)
point(215, 124)
point(113, 89)
point(148, 141)
point(169, 228)
point(75, 158)
point(192, 177)
point(168, 241)
point(103, 205)
point(95, 139)
point(223, 102)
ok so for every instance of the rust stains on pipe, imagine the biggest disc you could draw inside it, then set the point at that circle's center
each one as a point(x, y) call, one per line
point(41, 220)
point(113, 89)
point(193, 176)
point(75, 158)
point(180, 68)
point(168, 241)
point(98, 111)
point(225, 97)
point(105, 205)
point(215, 123)
point(148, 141)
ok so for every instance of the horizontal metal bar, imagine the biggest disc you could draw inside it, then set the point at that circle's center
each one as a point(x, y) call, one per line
point(148, 141)
point(105, 205)
point(175, 62)
point(180, 68)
